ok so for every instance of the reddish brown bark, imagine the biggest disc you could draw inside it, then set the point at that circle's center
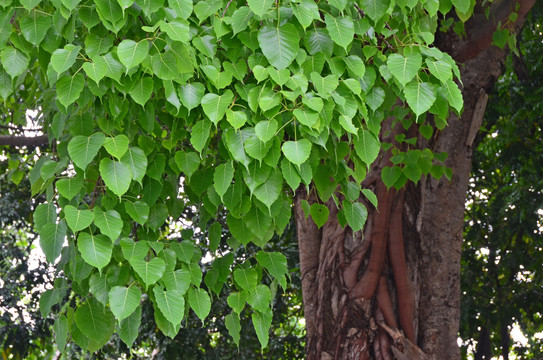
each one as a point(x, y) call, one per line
point(394, 291)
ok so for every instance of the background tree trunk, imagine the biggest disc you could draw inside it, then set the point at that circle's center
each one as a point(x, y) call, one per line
point(356, 295)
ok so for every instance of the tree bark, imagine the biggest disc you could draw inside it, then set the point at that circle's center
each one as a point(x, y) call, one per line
point(393, 292)
point(15, 140)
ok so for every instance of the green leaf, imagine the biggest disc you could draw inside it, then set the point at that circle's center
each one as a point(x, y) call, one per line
point(183, 8)
point(246, 278)
point(171, 303)
point(319, 213)
point(462, 5)
point(61, 331)
point(440, 69)
point(260, 7)
point(222, 178)
point(165, 66)
point(279, 44)
point(341, 29)
point(63, 59)
point(306, 117)
point(95, 249)
point(390, 175)
point(69, 188)
point(177, 29)
point(356, 65)
point(132, 53)
point(290, 174)
point(69, 88)
point(137, 162)
point(375, 9)
point(138, 210)
point(214, 236)
point(78, 219)
point(274, 262)
point(178, 280)
point(404, 68)
point(420, 96)
point(270, 190)
point(265, 130)
point(97, 45)
point(124, 301)
point(324, 85)
point(355, 214)
point(375, 98)
point(231, 321)
point(241, 18)
point(142, 90)
point(114, 68)
point(51, 240)
point(297, 152)
point(187, 162)
point(260, 298)
point(44, 213)
point(96, 69)
point(306, 11)
point(236, 300)
point(199, 302)
point(35, 26)
point(109, 222)
point(116, 146)
point(454, 95)
point(370, 196)
point(94, 321)
point(367, 147)
point(236, 118)
point(149, 271)
point(129, 327)
point(134, 250)
point(184, 251)
point(215, 106)
point(191, 94)
point(262, 323)
point(17, 60)
point(116, 175)
point(200, 134)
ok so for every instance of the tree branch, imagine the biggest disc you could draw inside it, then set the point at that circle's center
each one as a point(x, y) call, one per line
point(480, 28)
point(13, 140)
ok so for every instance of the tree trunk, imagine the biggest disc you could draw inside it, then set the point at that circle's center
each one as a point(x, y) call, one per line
point(393, 292)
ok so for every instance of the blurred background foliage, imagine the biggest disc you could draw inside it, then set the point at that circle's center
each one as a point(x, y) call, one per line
point(502, 261)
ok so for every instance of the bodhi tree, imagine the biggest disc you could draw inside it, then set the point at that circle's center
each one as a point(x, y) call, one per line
point(343, 112)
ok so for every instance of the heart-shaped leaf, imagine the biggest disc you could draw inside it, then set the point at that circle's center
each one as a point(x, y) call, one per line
point(297, 152)
point(279, 44)
point(215, 106)
point(138, 210)
point(52, 238)
point(109, 222)
point(355, 214)
point(390, 175)
point(96, 69)
point(404, 68)
point(116, 146)
point(319, 213)
point(69, 188)
point(63, 59)
point(69, 88)
point(171, 303)
point(132, 53)
point(199, 302)
point(117, 175)
point(78, 219)
point(95, 249)
point(124, 300)
point(149, 271)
